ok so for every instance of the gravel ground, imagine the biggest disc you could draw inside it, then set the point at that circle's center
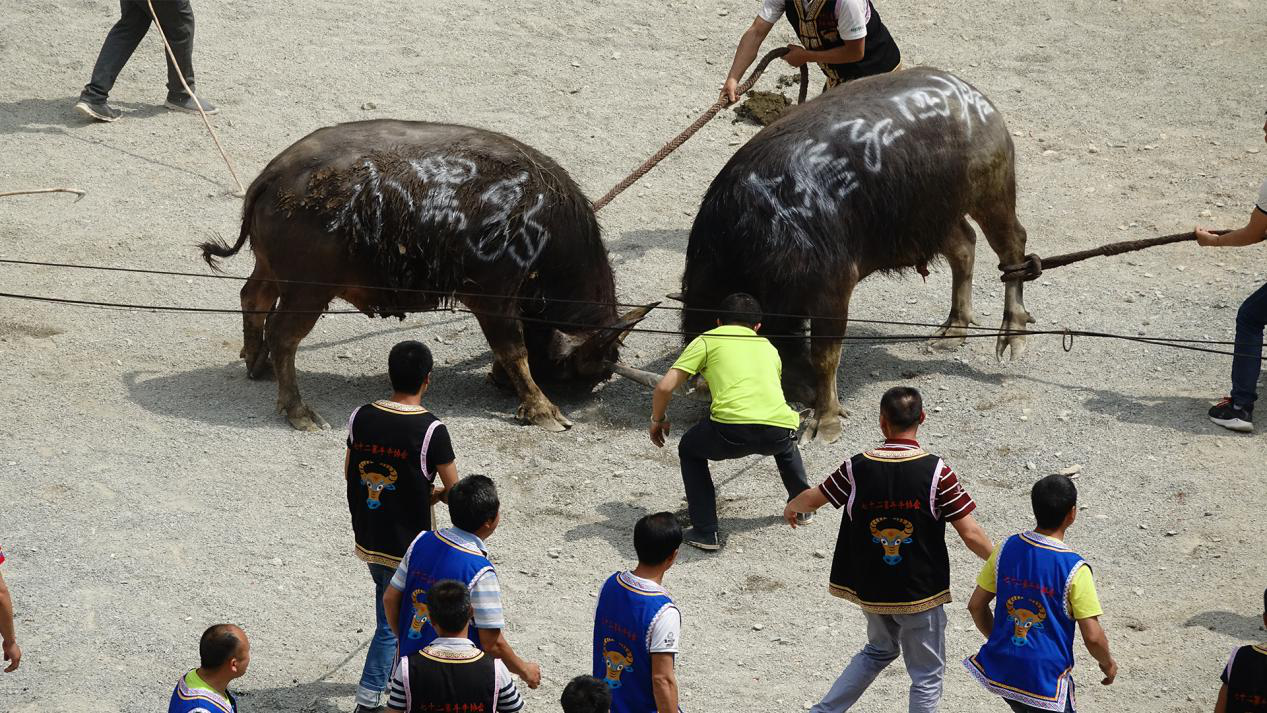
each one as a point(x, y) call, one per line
point(150, 489)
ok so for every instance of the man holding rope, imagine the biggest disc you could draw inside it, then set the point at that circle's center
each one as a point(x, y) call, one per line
point(1236, 412)
point(176, 18)
point(846, 38)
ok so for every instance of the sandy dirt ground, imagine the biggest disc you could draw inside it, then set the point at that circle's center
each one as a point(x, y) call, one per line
point(149, 489)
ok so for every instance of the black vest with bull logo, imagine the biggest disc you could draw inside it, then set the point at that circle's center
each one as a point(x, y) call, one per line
point(441, 680)
point(891, 551)
point(1246, 679)
point(818, 28)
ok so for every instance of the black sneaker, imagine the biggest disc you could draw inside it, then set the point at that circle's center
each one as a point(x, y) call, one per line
point(362, 708)
point(1229, 415)
point(707, 541)
point(100, 111)
point(187, 105)
point(804, 518)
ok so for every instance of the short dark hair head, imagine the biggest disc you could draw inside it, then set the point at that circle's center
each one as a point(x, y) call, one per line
point(219, 643)
point(473, 502)
point(656, 537)
point(409, 364)
point(1053, 497)
point(901, 406)
point(740, 308)
point(586, 694)
point(449, 606)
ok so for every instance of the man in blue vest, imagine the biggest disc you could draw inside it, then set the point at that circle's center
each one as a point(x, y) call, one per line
point(637, 627)
point(224, 654)
point(457, 553)
point(1044, 589)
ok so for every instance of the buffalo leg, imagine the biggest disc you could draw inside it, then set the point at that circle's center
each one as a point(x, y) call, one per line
point(287, 326)
point(259, 295)
point(825, 347)
point(506, 337)
point(1007, 236)
point(961, 254)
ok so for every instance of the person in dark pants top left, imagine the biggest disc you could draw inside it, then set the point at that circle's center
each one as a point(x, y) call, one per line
point(749, 414)
point(176, 18)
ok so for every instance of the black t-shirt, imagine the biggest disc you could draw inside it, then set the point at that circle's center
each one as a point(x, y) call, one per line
point(1246, 679)
point(395, 451)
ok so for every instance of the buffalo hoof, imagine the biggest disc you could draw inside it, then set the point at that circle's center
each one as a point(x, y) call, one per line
point(1014, 342)
point(952, 334)
point(547, 416)
point(259, 367)
point(823, 429)
point(303, 418)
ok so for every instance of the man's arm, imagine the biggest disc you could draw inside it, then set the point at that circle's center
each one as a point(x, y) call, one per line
point(8, 633)
point(664, 683)
point(808, 501)
point(494, 643)
point(745, 55)
point(1220, 706)
point(973, 535)
point(848, 53)
point(448, 477)
point(660, 399)
point(391, 607)
point(979, 608)
point(1255, 231)
point(1098, 644)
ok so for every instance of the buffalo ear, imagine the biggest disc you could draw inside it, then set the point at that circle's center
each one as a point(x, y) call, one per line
point(563, 345)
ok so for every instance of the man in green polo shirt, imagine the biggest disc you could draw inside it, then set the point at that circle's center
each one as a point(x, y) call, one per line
point(749, 415)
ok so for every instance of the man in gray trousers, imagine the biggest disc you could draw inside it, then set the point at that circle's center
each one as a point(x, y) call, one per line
point(176, 18)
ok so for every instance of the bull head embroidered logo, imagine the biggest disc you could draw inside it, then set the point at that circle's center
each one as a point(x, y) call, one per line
point(376, 483)
point(892, 538)
point(1023, 620)
point(617, 661)
point(420, 615)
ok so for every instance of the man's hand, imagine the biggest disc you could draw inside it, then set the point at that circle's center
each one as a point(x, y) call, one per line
point(531, 674)
point(796, 56)
point(659, 431)
point(1205, 238)
point(1110, 671)
point(789, 515)
point(12, 654)
point(730, 90)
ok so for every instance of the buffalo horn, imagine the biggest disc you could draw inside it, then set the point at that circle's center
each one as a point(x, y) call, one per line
point(563, 345)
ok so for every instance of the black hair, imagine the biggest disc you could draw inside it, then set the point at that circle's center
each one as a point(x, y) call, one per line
point(473, 502)
point(1265, 602)
point(449, 606)
point(901, 406)
point(656, 537)
point(740, 308)
point(1053, 497)
point(409, 364)
point(586, 694)
point(218, 644)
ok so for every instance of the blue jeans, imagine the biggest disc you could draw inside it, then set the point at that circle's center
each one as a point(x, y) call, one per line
point(1247, 363)
point(921, 641)
point(382, 653)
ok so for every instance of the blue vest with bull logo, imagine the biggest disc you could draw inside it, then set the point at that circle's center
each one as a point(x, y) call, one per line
point(622, 656)
point(1029, 655)
point(434, 558)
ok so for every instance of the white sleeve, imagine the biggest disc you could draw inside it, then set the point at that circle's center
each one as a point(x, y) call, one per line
point(666, 631)
point(772, 10)
point(402, 570)
point(851, 18)
point(1262, 197)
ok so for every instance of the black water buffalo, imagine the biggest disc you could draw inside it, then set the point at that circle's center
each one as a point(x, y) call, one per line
point(400, 216)
point(879, 174)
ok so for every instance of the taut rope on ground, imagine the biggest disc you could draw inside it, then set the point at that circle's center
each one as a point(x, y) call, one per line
point(1034, 265)
point(699, 123)
point(78, 193)
point(180, 72)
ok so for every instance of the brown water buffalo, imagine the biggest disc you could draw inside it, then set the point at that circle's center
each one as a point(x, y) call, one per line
point(879, 174)
point(401, 216)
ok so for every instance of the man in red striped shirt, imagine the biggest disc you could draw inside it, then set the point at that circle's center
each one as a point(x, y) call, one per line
point(891, 557)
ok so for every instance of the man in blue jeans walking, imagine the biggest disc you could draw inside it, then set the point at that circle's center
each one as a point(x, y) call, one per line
point(1236, 412)
point(396, 448)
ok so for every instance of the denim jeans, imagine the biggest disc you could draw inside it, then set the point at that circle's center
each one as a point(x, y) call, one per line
point(1247, 364)
point(710, 440)
point(919, 638)
point(382, 652)
point(177, 20)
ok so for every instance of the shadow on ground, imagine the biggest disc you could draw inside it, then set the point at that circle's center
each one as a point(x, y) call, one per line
point(1237, 626)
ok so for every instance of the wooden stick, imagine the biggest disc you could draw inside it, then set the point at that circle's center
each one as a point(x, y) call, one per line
point(180, 72)
point(78, 193)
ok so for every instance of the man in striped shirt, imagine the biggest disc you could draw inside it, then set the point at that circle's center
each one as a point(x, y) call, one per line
point(891, 557)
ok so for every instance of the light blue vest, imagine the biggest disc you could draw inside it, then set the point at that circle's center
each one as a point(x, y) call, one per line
point(1029, 655)
point(186, 699)
point(434, 558)
point(622, 656)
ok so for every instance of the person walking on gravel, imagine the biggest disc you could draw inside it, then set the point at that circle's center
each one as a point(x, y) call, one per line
point(176, 19)
point(224, 654)
point(395, 450)
point(891, 557)
point(748, 416)
point(846, 38)
point(1236, 412)
point(8, 632)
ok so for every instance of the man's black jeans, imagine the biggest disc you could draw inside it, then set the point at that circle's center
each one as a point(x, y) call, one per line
point(709, 440)
point(1248, 364)
point(177, 20)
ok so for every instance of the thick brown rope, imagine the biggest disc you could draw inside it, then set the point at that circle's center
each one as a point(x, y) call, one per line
point(1034, 265)
point(699, 123)
point(78, 193)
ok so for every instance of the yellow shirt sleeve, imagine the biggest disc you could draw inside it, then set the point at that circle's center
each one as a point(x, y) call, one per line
point(692, 359)
point(1083, 599)
point(988, 579)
